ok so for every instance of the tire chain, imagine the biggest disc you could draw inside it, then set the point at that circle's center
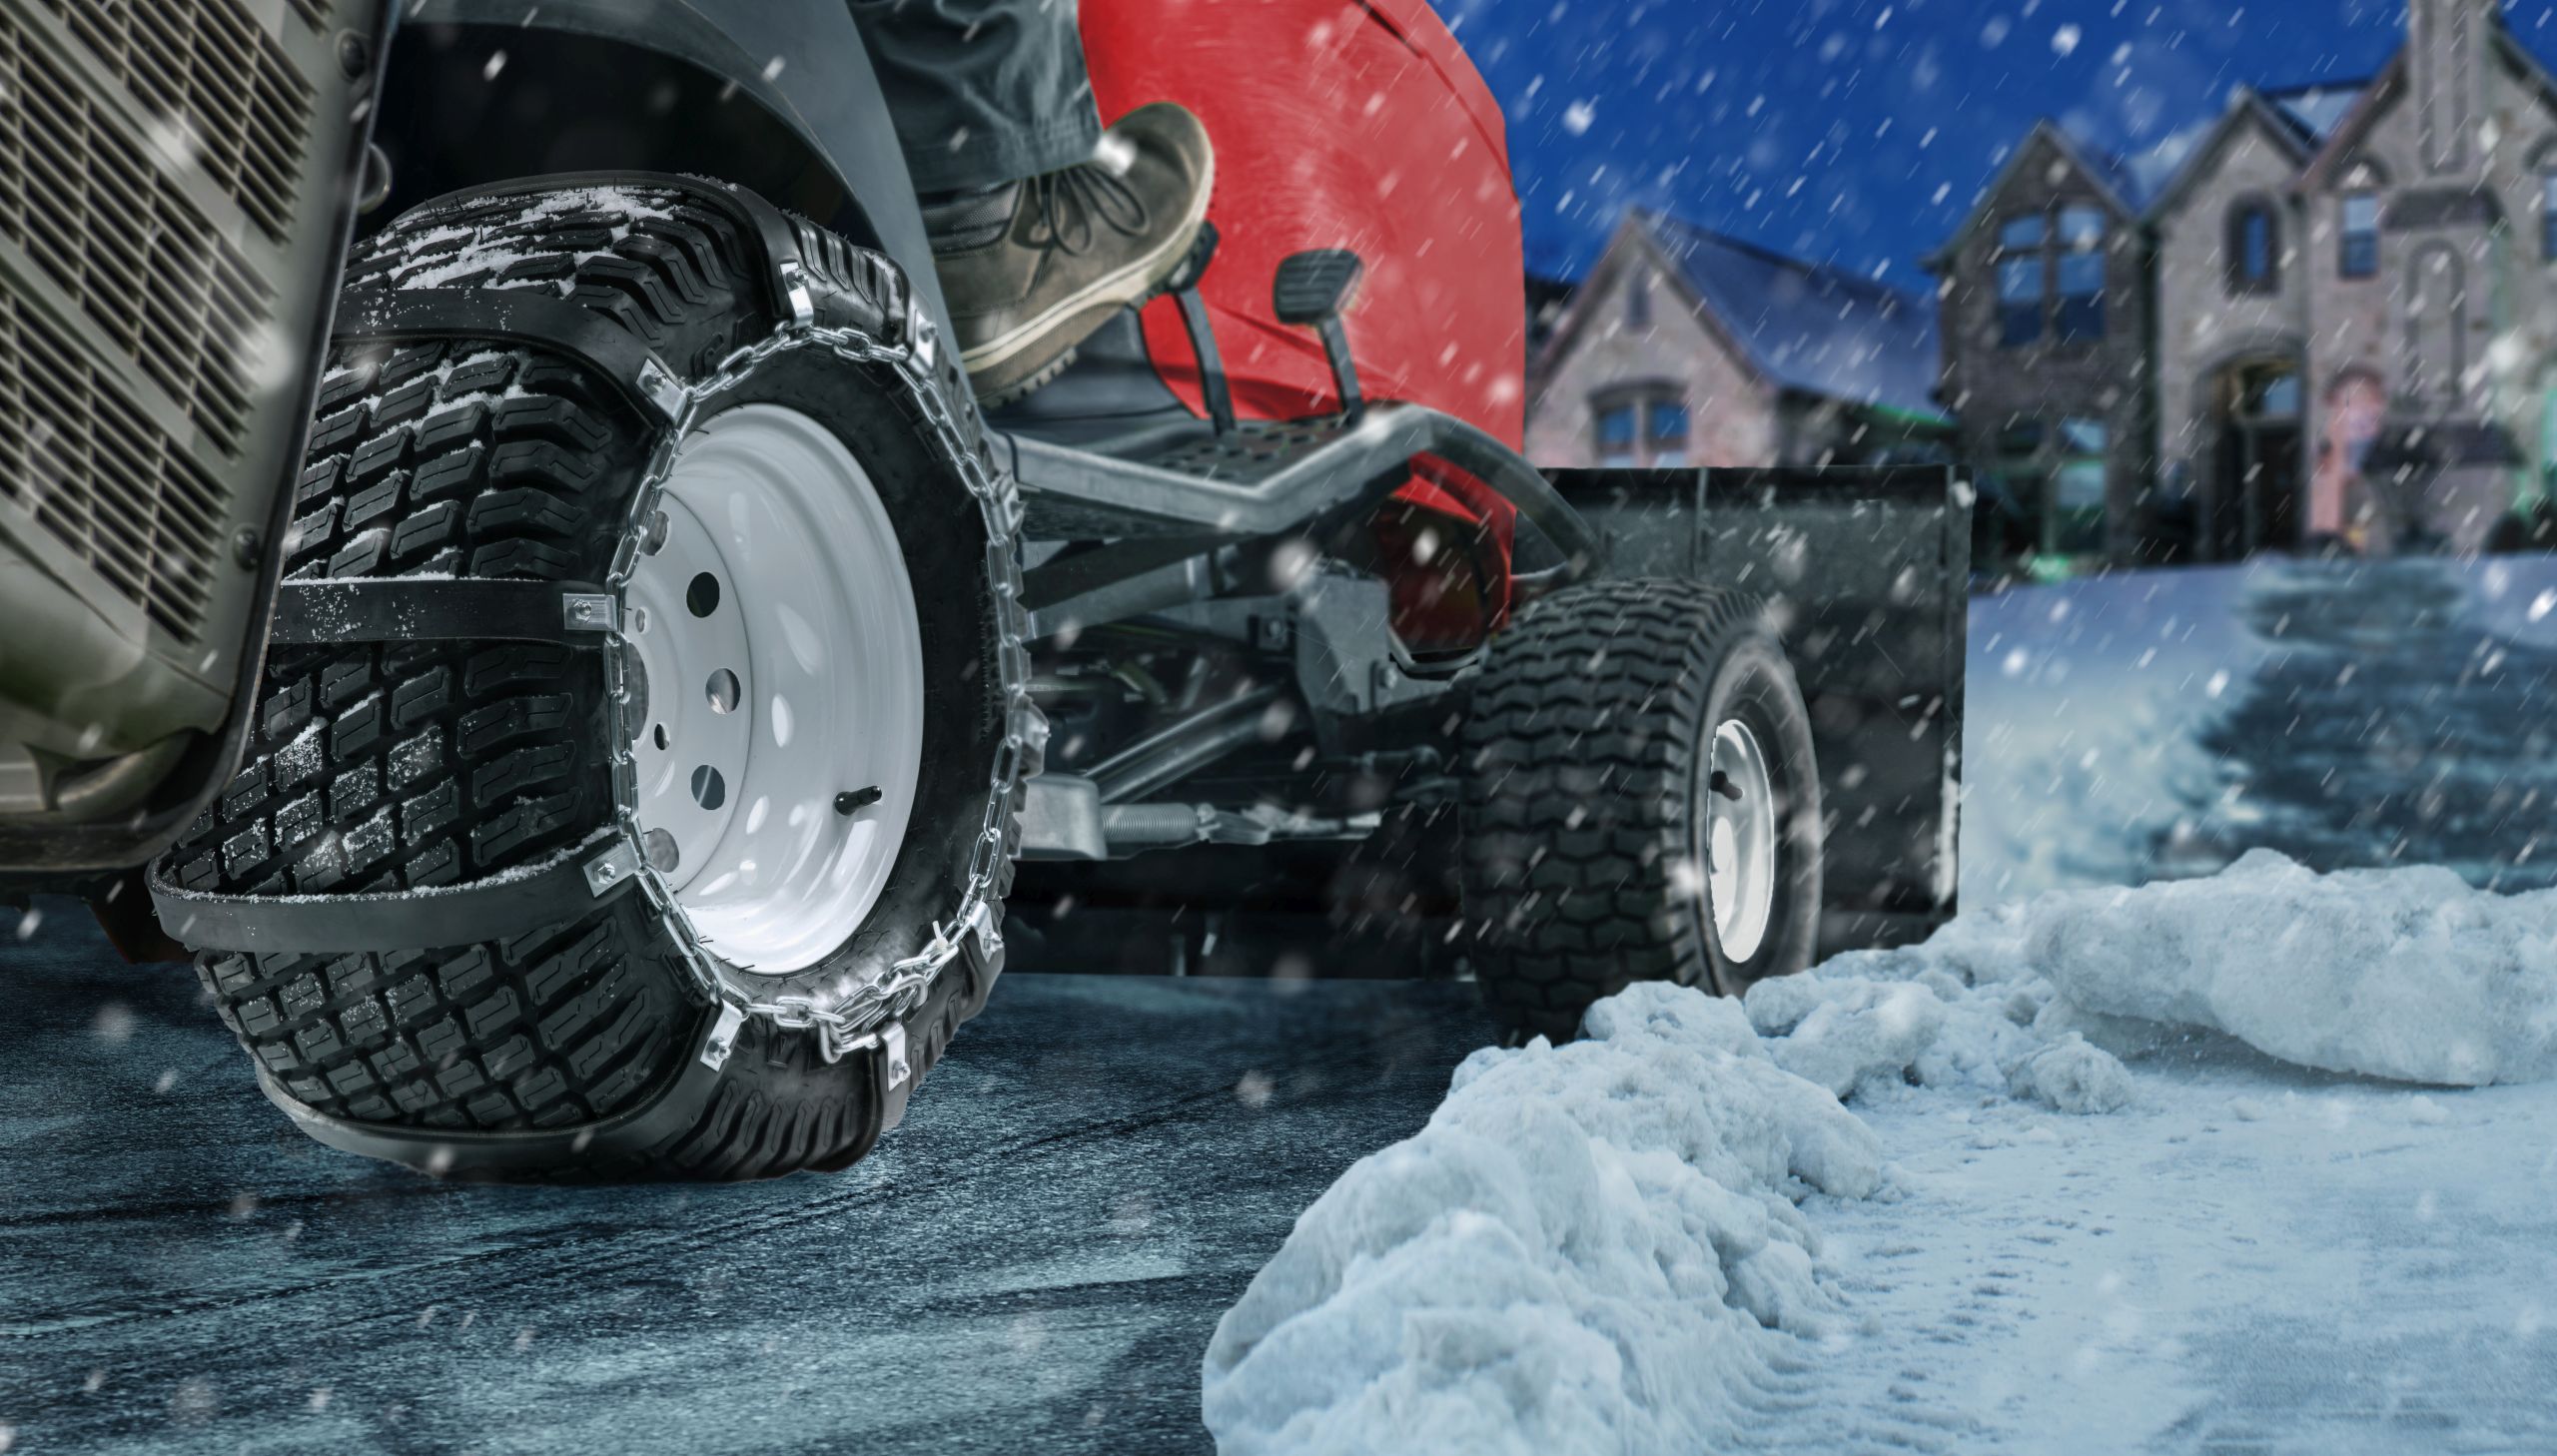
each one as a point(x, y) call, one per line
point(861, 1017)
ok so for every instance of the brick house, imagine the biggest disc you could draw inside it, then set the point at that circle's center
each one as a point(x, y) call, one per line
point(1683, 347)
point(2331, 315)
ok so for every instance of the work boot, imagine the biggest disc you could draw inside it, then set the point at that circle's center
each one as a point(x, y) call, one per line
point(1030, 270)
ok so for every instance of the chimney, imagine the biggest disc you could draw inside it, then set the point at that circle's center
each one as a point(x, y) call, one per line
point(2447, 46)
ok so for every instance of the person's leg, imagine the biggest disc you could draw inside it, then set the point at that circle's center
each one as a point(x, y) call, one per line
point(1043, 226)
point(984, 92)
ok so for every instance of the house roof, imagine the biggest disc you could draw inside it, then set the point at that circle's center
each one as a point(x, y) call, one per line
point(2134, 179)
point(2123, 185)
point(2140, 180)
point(2318, 107)
point(1806, 326)
point(2196, 150)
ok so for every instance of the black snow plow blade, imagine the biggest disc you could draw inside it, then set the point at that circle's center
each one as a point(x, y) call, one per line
point(1868, 572)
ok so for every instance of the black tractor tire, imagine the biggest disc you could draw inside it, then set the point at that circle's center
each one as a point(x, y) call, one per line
point(1582, 858)
point(570, 1052)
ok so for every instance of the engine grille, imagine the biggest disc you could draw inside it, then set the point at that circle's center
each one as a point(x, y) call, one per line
point(110, 225)
point(101, 478)
point(134, 254)
point(206, 65)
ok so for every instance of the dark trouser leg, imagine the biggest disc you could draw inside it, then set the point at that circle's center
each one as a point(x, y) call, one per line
point(984, 92)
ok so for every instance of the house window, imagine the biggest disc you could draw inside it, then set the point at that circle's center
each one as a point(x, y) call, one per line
point(2361, 234)
point(2548, 215)
point(1647, 428)
point(1665, 430)
point(1638, 303)
point(2254, 248)
point(2023, 279)
point(2082, 274)
point(2048, 490)
point(1618, 427)
point(2074, 525)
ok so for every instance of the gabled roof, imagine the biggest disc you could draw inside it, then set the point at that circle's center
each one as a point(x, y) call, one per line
point(2353, 120)
point(1806, 326)
point(2198, 156)
point(2120, 184)
point(2316, 109)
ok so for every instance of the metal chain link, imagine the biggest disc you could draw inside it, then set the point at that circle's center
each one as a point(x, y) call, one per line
point(859, 1017)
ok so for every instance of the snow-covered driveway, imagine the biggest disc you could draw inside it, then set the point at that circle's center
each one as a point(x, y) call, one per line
point(1913, 1201)
point(2250, 1260)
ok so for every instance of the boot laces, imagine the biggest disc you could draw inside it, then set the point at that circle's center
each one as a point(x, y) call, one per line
point(1071, 205)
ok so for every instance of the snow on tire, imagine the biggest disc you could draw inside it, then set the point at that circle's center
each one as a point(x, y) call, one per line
point(402, 767)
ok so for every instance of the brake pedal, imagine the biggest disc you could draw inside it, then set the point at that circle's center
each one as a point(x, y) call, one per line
point(1313, 289)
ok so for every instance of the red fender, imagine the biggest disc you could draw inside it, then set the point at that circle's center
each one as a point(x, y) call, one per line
point(1358, 126)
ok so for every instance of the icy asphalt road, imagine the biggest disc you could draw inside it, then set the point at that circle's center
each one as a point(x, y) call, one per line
point(1032, 1262)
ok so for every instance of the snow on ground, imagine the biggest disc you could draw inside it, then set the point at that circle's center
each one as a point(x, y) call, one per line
point(1671, 1236)
point(1597, 1240)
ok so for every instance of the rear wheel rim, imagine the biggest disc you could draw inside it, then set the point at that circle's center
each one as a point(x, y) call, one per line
point(1738, 811)
point(777, 635)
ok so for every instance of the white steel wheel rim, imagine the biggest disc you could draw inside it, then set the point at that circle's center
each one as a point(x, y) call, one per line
point(1739, 800)
point(776, 714)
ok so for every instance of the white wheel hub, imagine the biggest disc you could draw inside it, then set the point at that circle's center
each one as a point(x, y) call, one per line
point(1738, 799)
point(776, 626)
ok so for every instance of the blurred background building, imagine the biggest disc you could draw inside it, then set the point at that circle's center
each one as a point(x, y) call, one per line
point(2324, 320)
point(1682, 346)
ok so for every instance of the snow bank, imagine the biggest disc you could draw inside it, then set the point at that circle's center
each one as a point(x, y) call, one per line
point(1962, 1012)
point(1595, 1248)
point(1589, 1247)
point(2407, 974)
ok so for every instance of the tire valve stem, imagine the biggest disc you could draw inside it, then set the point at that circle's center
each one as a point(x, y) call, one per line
point(853, 799)
point(1721, 784)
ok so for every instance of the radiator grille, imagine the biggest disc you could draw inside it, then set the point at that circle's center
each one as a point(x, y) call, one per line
point(101, 477)
point(207, 65)
point(148, 270)
point(314, 13)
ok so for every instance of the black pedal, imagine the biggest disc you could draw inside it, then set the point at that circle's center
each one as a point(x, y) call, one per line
point(1313, 289)
point(1184, 286)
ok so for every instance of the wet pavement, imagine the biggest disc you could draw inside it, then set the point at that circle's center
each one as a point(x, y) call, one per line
point(1033, 1261)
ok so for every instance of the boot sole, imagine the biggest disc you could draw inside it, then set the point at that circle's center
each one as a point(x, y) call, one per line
point(989, 362)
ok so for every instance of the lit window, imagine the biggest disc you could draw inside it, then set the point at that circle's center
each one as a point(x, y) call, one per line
point(2361, 234)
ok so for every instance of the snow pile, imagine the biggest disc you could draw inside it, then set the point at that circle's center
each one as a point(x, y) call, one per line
point(1962, 1012)
point(2407, 974)
point(1597, 1247)
point(1589, 1247)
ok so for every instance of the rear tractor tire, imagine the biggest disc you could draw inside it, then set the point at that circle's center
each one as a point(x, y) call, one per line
point(1642, 803)
point(804, 729)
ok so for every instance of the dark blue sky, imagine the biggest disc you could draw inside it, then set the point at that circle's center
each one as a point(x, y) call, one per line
point(1859, 131)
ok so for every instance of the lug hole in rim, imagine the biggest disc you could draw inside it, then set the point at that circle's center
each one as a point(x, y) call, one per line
point(702, 598)
point(658, 736)
point(709, 789)
point(723, 691)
